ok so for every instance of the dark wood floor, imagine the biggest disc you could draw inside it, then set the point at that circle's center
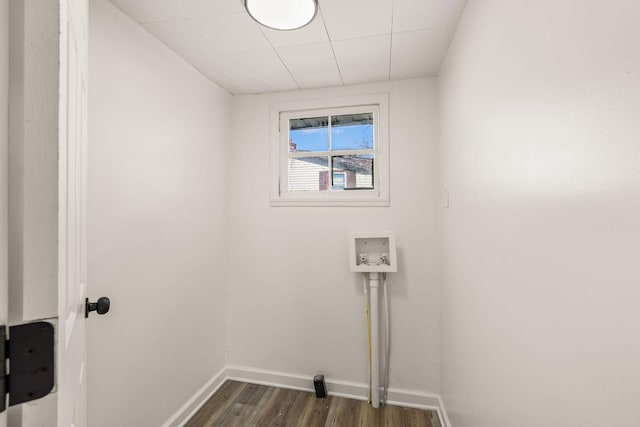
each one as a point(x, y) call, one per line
point(243, 405)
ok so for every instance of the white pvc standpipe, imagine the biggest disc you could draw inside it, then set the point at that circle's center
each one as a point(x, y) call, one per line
point(375, 342)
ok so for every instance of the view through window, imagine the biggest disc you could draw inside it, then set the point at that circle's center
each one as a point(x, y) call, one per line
point(332, 152)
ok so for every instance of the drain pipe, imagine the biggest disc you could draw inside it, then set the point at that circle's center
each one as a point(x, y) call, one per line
point(375, 341)
point(374, 253)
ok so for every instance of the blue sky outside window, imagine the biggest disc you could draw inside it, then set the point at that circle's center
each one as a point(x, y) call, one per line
point(348, 132)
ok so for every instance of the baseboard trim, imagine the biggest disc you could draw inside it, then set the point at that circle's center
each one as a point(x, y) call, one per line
point(192, 405)
point(351, 390)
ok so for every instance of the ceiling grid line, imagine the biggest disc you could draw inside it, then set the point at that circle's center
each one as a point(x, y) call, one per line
point(281, 60)
point(324, 24)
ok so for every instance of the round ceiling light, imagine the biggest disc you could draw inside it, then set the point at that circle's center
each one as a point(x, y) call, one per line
point(282, 14)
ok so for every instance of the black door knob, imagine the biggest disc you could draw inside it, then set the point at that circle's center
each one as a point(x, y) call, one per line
point(101, 306)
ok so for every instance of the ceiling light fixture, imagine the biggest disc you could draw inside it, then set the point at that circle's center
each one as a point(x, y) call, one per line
point(282, 14)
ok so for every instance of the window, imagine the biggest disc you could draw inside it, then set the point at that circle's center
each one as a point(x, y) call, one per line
point(339, 181)
point(333, 154)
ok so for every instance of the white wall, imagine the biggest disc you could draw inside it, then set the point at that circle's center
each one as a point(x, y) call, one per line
point(33, 174)
point(159, 137)
point(541, 155)
point(294, 306)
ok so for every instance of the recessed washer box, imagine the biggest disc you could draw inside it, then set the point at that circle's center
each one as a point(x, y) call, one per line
point(373, 252)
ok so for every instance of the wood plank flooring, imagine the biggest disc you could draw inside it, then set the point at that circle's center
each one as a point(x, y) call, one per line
point(238, 404)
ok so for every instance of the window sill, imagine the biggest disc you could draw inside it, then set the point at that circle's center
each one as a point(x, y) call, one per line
point(296, 202)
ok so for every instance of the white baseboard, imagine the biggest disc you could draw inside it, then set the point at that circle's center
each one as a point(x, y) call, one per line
point(351, 390)
point(192, 405)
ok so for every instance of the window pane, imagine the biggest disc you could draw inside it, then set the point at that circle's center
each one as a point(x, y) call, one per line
point(357, 172)
point(310, 134)
point(352, 132)
point(309, 174)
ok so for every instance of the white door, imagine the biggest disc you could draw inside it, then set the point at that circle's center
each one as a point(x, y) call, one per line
point(72, 240)
point(47, 194)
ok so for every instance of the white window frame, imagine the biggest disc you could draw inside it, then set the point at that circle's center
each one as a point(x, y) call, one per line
point(282, 112)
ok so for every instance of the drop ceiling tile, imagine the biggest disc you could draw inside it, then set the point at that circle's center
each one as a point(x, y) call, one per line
point(315, 32)
point(361, 53)
point(180, 36)
point(247, 72)
point(315, 80)
point(148, 10)
point(308, 58)
point(356, 18)
point(254, 65)
point(231, 33)
point(206, 8)
point(409, 15)
point(354, 75)
point(409, 70)
point(419, 53)
point(209, 66)
point(277, 84)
